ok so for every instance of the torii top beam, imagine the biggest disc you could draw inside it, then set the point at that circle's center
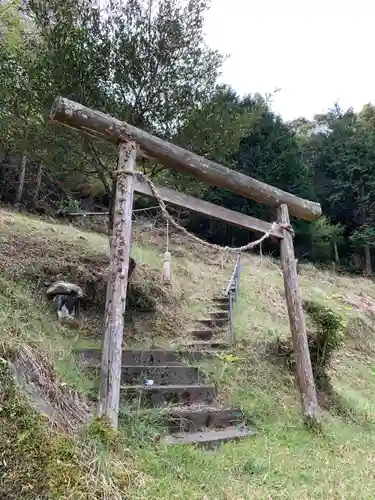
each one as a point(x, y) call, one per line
point(111, 129)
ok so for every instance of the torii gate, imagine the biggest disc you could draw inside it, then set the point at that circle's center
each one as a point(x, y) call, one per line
point(132, 141)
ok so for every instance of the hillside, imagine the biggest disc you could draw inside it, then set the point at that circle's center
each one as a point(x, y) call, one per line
point(283, 460)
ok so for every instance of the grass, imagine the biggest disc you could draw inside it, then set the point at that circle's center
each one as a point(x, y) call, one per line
point(284, 459)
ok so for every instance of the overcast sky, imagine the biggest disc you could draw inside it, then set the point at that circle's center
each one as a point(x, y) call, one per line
point(316, 51)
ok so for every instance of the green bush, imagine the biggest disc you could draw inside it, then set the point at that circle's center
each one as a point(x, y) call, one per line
point(324, 341)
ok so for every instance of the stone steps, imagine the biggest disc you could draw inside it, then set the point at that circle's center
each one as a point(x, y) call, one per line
point(166, 378)
point(205, 334)
point(160, 375)
point(151, 357)
point(212, 345)
point(170, 394)
point(196, 418)
point(219, 315)
point(220, 299)
point(222, 306)
point(208, 438)
point(214, 322)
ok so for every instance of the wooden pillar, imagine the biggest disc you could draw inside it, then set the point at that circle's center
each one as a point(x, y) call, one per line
point(110, 369)
point(304, 371)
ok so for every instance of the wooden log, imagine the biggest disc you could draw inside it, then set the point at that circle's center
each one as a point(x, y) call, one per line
point(110, 368)
point(196, 205)
point(110, 129)
point(304, 370)
point(204, 207)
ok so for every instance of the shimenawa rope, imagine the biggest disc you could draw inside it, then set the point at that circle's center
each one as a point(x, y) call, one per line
point(168, 217)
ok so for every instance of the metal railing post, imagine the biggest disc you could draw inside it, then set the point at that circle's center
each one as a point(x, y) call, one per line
point(231, 317)
point(233, 288)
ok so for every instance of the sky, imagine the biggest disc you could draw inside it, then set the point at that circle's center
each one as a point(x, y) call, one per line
point(316, 52)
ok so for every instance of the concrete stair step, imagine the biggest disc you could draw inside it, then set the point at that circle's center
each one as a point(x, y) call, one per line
point(212, 322)
point(203, 334)
point(219, 314)
point(160, 394)
point(149, 357)
point(221, 299)
point(195, 418)
point(212, 345)
point(208, 439)
point(160, 375)
point(222, 307)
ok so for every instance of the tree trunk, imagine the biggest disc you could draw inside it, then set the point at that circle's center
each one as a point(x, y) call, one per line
point(368, 266)
point(3, 155)
point(113, 130)
point(336, 253)
point(304, 370)
point(110, 369)
point(38, 183)
point(21, 181)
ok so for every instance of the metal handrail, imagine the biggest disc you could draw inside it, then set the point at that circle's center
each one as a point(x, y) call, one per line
point(233, 288)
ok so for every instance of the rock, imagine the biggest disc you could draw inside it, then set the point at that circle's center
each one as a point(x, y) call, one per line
point(65, 288)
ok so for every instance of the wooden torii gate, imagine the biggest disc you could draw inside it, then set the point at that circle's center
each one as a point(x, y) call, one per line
point(132, 141)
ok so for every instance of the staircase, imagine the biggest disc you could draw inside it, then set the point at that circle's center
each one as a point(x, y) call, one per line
point(169, 379)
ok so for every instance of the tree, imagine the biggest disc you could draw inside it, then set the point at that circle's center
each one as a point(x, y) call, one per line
point(326, 239)
point(344, 167)
point(268, 152)
point(146, 62)
point(214, 130)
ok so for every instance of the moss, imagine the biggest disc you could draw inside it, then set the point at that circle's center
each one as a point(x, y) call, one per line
point(37, 461)
point(101, 432)
point(24, 447)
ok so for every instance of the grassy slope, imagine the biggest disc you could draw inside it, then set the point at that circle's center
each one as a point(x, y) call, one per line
point(284, 460)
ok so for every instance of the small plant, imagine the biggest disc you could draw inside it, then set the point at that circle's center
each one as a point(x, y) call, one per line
point(68, 205)
point(228, 358)
point(101, 431)
point(323, 342)
point(328, 335)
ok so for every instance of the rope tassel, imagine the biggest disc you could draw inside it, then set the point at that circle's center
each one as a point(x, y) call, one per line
point(166, 277)
point(167, 271)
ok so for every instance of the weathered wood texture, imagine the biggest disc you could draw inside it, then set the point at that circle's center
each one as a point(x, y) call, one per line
point(203, 207)
point(113, 130)
point(305, 376)
point(110, 369)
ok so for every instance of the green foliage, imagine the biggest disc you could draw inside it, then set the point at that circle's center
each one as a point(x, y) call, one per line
point(363, 236)
point(102, 432)
point(328, 335)
point(323, 341)
point(324, 235)
point(68, 205)
point(213, 130)
point(269, 152)
point(146, 63)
